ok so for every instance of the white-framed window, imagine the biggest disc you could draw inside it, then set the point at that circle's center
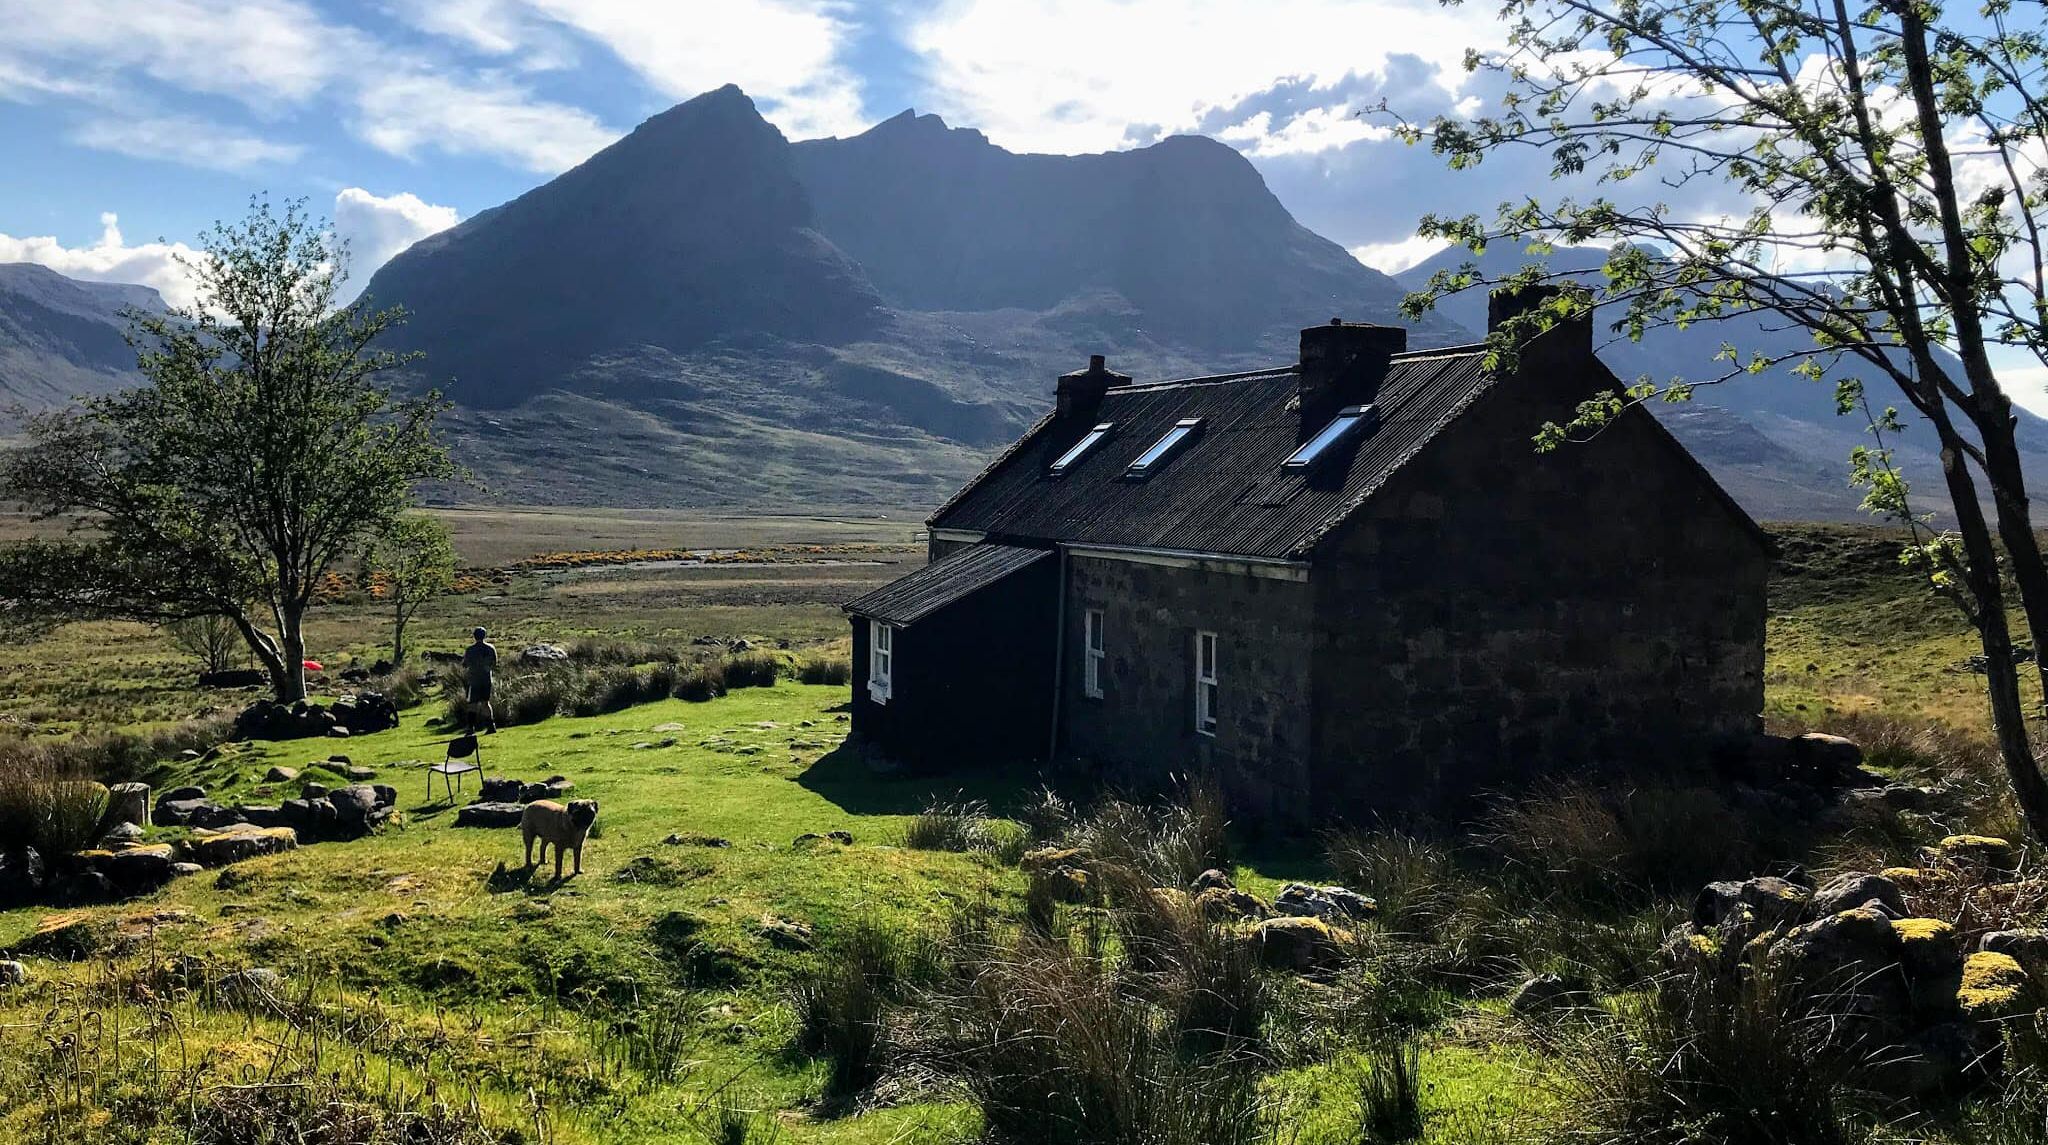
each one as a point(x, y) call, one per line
point(881, 661)
point(1205, 683)
point(1092, 652)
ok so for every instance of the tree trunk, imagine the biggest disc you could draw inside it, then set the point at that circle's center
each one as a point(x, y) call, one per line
point(292, 686)
point(2001, 677)
point(266, 652)
point(2022, 548)
point(398, 635)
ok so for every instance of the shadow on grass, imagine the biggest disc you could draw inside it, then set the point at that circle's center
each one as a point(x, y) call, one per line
point(847, 777)
point(537, 882)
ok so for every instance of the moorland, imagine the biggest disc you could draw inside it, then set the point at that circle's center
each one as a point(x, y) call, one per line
point(777, 937)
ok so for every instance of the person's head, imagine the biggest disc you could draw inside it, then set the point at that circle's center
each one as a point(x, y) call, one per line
point(479, 634)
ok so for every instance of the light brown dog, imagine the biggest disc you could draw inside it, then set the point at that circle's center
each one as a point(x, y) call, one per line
point(550, 822)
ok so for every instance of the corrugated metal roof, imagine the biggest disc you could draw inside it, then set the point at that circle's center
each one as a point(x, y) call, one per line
point(950, 578)
point(1227, 492)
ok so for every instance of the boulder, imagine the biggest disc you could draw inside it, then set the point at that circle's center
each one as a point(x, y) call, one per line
point(23, 877)
point(359, 773)
point(196, 813)
point(139, 870)
point(313, 791)
point(279, 773)
point(179, 793)
point(121, 835)
point(233, 678)
point(1299, 943)
point(1228, 904)
point(785, 933)
point(1855, 888)
point(258, 987)
point(1862, 937)
point(1047, 858)
point(365, 713)
point(1544, 993)
point(2029, 948)
point(494, 814)
point(81, 888)
point(498, 789)
point(1213, 878)
point(13, 973)
point(1300, 900)
point(543, 653)
point(679, 839)
point(185, 870)
point(1993, 986)
point(264, 815)
point(1065, 884)
point(1976, 851)
point(1826, 760)
point(1928, 947)
point(556, 788)
point(127, 803)
point(241, 842)
point(1760, 903)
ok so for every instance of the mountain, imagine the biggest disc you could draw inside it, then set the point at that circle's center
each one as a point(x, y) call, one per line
point(705, 313)
point(1773, 439)
point(61, 338)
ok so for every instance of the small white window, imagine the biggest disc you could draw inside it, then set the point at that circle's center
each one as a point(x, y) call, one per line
point(1091, 670)
point(1347, 422)
point(1164, 448)
point(1205, 683)
point(1080, 449)
point(881, 661)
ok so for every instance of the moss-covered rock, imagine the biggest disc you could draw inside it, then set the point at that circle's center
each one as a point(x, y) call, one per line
point(1928, 947)
point(1994, 986)
point(232, 846)
point(1299, 943)
point(1986, 851)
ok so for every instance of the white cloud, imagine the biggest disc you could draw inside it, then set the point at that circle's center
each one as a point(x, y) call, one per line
point(193, 142)
point(408, 111)
point(1395, 257)
point(1314, 130)
point(257, 51)
point(110, 259)
point(783, 53)
point(1074, 75)
point(379, 227)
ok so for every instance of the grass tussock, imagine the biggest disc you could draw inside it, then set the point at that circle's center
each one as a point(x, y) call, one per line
point(835, 670)
point(843, 1008)
point(963, 827)
point(115, 757)
point(49, 803)
point(1170, 843)
point(1390, 1088)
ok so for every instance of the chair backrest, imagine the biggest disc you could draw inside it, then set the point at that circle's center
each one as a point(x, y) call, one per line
point(462, 747)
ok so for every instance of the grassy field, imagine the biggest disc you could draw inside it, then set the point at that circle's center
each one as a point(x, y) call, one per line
point(655, 997)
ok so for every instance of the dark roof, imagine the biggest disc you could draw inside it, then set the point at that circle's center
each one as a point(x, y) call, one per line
point(950, 578)
point(1226, 493)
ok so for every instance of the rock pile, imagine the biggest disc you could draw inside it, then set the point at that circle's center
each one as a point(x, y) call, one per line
point(360, 714)
point(318, 815)
point(1905, 993)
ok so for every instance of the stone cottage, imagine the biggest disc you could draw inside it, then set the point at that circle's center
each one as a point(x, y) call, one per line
point(1344, 586)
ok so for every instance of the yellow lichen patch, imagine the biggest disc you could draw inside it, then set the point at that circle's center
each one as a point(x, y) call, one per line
point(1922, 929)
point(1993, 985)
point(1908, 878)
point(1705, 945)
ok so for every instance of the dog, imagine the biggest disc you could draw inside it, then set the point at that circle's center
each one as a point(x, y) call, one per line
point(550, 822)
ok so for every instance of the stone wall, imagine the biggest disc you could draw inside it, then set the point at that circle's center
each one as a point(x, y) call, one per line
point(1142, 729)
point(1494, 614)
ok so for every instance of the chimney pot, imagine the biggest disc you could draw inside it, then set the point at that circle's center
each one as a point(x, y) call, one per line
point(1572, 335)
point(1343, 364)
point(1079, 393)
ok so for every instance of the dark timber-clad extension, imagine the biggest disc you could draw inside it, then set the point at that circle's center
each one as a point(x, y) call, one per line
point(1343, 587)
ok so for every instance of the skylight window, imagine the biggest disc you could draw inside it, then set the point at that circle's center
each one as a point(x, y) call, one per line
point(1080, 449)
point(1347, 422)
point(1165, 447)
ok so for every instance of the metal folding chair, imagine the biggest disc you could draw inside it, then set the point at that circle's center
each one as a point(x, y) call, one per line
point(465, 755)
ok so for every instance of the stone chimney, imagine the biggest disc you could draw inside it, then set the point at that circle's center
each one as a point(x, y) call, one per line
point(1343, 364)
point(1080, 392)
point(1570, 338)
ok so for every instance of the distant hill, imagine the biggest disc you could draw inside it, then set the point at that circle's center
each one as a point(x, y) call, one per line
point(1773, 439)
point(61, 338)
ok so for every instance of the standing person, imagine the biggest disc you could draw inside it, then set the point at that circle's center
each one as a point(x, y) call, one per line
point(478, 660)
